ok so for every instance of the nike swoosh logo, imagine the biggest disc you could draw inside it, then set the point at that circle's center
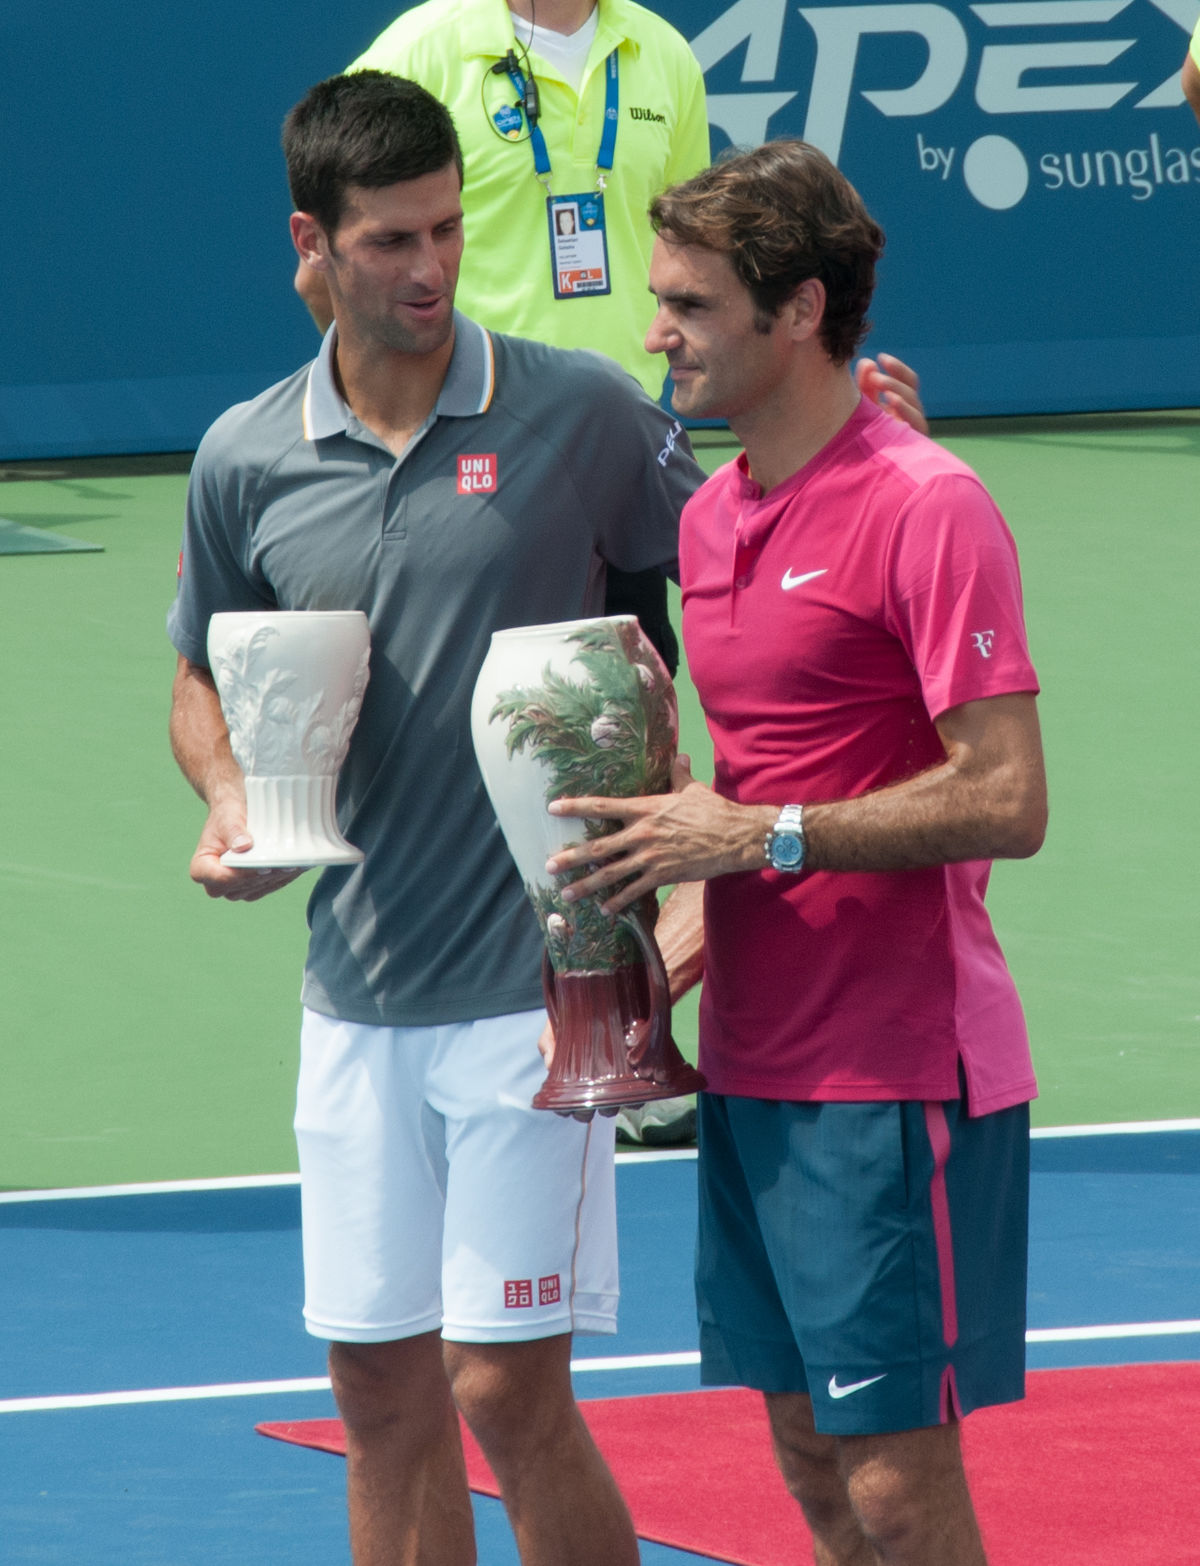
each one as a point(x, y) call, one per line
point(836, 1391)
point(790, 581)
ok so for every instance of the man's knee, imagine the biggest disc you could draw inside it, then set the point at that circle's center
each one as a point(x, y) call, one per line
point(808, 1461)
point(512, 1392)
point(903, 1484)
point(377, 1384)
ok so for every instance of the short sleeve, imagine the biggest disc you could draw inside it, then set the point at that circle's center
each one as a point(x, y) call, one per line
point(391, 51)
point(213, 573)
point(953, 595)
point(633, 461)
point(691, 149)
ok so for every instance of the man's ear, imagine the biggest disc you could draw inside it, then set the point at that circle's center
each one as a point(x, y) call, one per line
point(310, 240)
point(805, 310)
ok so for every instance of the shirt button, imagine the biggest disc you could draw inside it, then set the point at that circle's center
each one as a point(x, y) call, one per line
point(741, 581)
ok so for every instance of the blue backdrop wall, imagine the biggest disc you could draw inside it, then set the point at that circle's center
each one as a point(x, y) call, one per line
point(1032, 161)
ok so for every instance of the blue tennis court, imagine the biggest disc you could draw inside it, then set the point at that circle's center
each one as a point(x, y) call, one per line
point(148, 1329)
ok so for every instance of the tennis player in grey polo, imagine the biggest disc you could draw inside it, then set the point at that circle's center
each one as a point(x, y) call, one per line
point(448, 483)
point(536, 468)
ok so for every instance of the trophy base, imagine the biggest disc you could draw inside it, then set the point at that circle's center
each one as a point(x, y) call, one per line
point(583, 1099)
point(607, 1055)
point(270, 859)
point(293, 821)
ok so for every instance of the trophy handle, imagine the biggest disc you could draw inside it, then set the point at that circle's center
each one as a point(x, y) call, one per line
point(648, 1037)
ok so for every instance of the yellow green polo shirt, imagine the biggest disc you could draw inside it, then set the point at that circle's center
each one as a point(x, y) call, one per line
point(1194, 51)
point(450, 46)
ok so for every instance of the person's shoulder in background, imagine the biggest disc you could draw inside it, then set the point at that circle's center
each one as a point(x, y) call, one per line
point(425, 34)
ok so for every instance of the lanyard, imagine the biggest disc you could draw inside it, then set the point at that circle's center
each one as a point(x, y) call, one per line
point(608, 138)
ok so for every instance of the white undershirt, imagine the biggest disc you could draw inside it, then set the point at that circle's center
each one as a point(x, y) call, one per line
point(566, 52)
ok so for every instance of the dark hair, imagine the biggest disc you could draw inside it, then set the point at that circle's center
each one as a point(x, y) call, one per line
point(782, 214)
point(370, 129)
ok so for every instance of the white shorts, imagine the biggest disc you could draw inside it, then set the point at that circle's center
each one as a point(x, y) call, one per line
point(432, 1195)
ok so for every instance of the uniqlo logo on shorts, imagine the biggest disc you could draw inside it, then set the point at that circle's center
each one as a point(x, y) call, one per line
point(518, 1293)
point(549, 1290)
point(478, 475)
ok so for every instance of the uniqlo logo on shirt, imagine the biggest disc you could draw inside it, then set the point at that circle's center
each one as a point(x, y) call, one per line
point(518, 1293)
point(549, 1290)
point(477, 475)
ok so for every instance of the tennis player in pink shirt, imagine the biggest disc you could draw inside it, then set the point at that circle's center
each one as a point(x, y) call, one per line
point(853, 623)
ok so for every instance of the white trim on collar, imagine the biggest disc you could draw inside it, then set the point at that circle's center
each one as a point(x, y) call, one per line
point(467, 390)
point(323, 411)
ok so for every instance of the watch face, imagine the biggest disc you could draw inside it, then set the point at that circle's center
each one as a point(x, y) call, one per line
point(787, 850)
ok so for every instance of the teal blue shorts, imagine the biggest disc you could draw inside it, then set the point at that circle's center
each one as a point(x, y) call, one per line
point(871, 1255)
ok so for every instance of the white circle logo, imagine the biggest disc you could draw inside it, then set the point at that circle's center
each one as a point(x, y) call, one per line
point(995, 172)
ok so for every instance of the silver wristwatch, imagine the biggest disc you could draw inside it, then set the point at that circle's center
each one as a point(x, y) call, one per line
point(784, 848)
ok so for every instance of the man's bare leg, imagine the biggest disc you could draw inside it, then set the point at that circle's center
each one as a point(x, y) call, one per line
point(810, 1468)
point(563, 1504)
point(406, 1481)
point(882, 1500)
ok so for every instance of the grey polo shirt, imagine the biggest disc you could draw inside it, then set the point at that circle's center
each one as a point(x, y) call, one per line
point(536, 468)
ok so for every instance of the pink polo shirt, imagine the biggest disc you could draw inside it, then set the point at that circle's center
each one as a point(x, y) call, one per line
point(826, 625)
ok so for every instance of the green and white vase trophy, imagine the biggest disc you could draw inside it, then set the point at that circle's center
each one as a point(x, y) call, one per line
point(291, 683)
point(584, 707)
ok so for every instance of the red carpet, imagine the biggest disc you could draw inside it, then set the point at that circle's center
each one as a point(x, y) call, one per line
point(1098, 1466)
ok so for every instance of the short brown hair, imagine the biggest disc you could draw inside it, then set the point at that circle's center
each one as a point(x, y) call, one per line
point(783, 213)
point(369, 129)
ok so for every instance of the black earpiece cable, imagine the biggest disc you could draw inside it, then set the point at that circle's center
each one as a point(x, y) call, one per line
point(510, 65)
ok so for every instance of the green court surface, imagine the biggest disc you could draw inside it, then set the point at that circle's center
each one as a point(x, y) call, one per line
point(149, 1034)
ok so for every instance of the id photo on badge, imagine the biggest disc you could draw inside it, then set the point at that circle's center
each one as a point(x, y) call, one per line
point(578, 246)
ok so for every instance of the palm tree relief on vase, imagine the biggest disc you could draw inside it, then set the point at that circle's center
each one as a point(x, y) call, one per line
point(584, 707)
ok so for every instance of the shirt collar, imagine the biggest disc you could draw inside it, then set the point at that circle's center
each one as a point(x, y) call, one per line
point(467, 390)
point(487, 31)
point(752, 492)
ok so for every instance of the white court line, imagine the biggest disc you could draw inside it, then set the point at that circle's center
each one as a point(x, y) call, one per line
point(1117, 1128)
point(1130, 1329)
point(256, 1182)
point(29, 1405)
point(609, 1363)
point(657, 1156)
point(637, 1361)
point(150, 1188)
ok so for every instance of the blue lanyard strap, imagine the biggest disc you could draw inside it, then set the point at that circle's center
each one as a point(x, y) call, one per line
point(608, 139)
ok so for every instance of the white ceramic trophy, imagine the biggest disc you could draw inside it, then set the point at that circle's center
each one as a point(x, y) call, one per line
point(584, 707)
point(291, 683)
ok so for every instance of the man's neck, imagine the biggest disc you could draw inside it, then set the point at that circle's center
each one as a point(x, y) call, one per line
point(392, 393)
point(557, 16)
point(784, 434)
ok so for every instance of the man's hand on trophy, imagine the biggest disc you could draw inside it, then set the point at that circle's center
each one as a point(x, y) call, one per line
point(690, 834)
point(225, 830)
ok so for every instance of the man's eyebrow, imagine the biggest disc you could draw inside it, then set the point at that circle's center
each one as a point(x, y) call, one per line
point(679, 296)
point(407, 233)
